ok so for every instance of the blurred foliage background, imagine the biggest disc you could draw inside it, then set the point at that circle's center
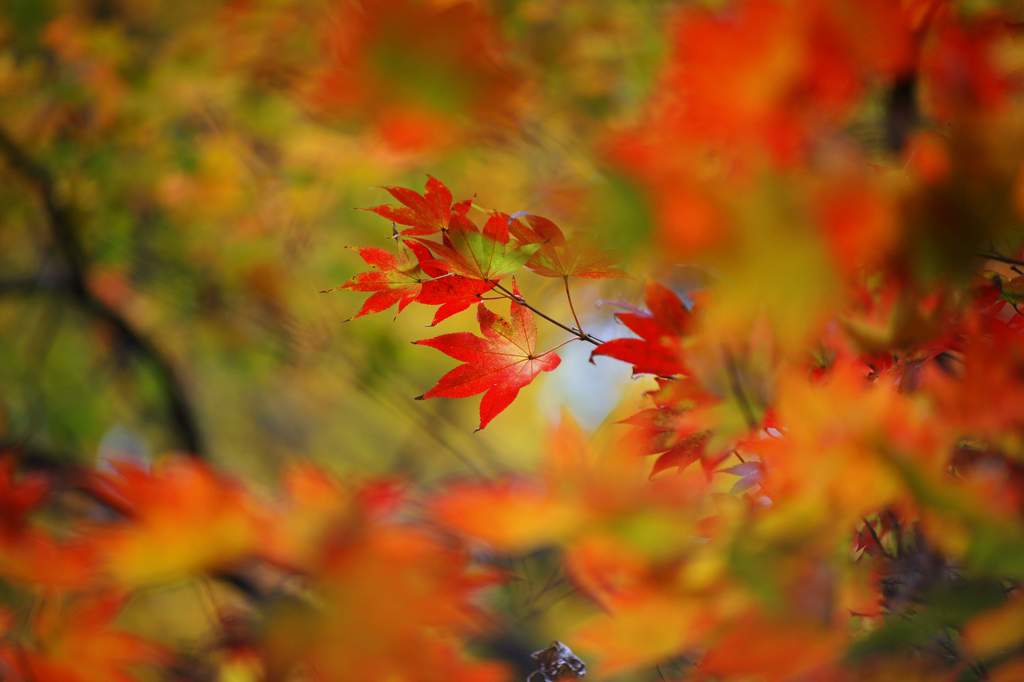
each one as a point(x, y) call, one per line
point(180, 183)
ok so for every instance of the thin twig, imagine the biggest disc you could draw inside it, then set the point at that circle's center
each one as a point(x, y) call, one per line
point(878, 540)
point(572, 308)
point(559, 346)
point(991, 255)
point(578, 333)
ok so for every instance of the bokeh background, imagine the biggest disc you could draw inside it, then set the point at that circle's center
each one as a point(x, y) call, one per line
point(180, 182)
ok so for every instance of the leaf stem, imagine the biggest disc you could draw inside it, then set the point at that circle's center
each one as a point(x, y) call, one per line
point(564, 343)
point(568, 296)
point(578, 333)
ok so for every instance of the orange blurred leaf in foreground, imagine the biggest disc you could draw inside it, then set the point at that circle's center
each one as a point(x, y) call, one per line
point(29, 554)
point(73, 641)
point(507, 516)
point(645, 633)
point(393, 603)
point(773, 651)
point(178, 519)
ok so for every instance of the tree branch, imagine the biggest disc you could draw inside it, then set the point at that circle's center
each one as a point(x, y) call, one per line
point(877, 540)
point(991, 255)
point(74, 285)
point(578, 333)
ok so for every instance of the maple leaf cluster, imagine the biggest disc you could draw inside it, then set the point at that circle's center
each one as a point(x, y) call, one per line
point(455, 272)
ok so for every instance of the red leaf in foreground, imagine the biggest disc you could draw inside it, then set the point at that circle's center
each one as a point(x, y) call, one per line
point(407, 279)
point(453, 293)
point(423, 213)
point(497, 364)
point(659, 348)
point(508, 515)
point(392, 280)
point(179, 519)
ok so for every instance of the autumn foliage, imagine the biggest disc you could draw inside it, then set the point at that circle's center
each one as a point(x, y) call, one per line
point(821, 479)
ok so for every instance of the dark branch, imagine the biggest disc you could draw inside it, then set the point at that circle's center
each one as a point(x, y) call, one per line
point(877, 540)
point(1000, 258)
point(74, 285)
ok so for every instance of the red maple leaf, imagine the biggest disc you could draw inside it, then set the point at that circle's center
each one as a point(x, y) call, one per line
point(659, 348)
point(412, 277)
point(498, 364)
point(393, 279)
point(453, 293)
point(424, 213)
